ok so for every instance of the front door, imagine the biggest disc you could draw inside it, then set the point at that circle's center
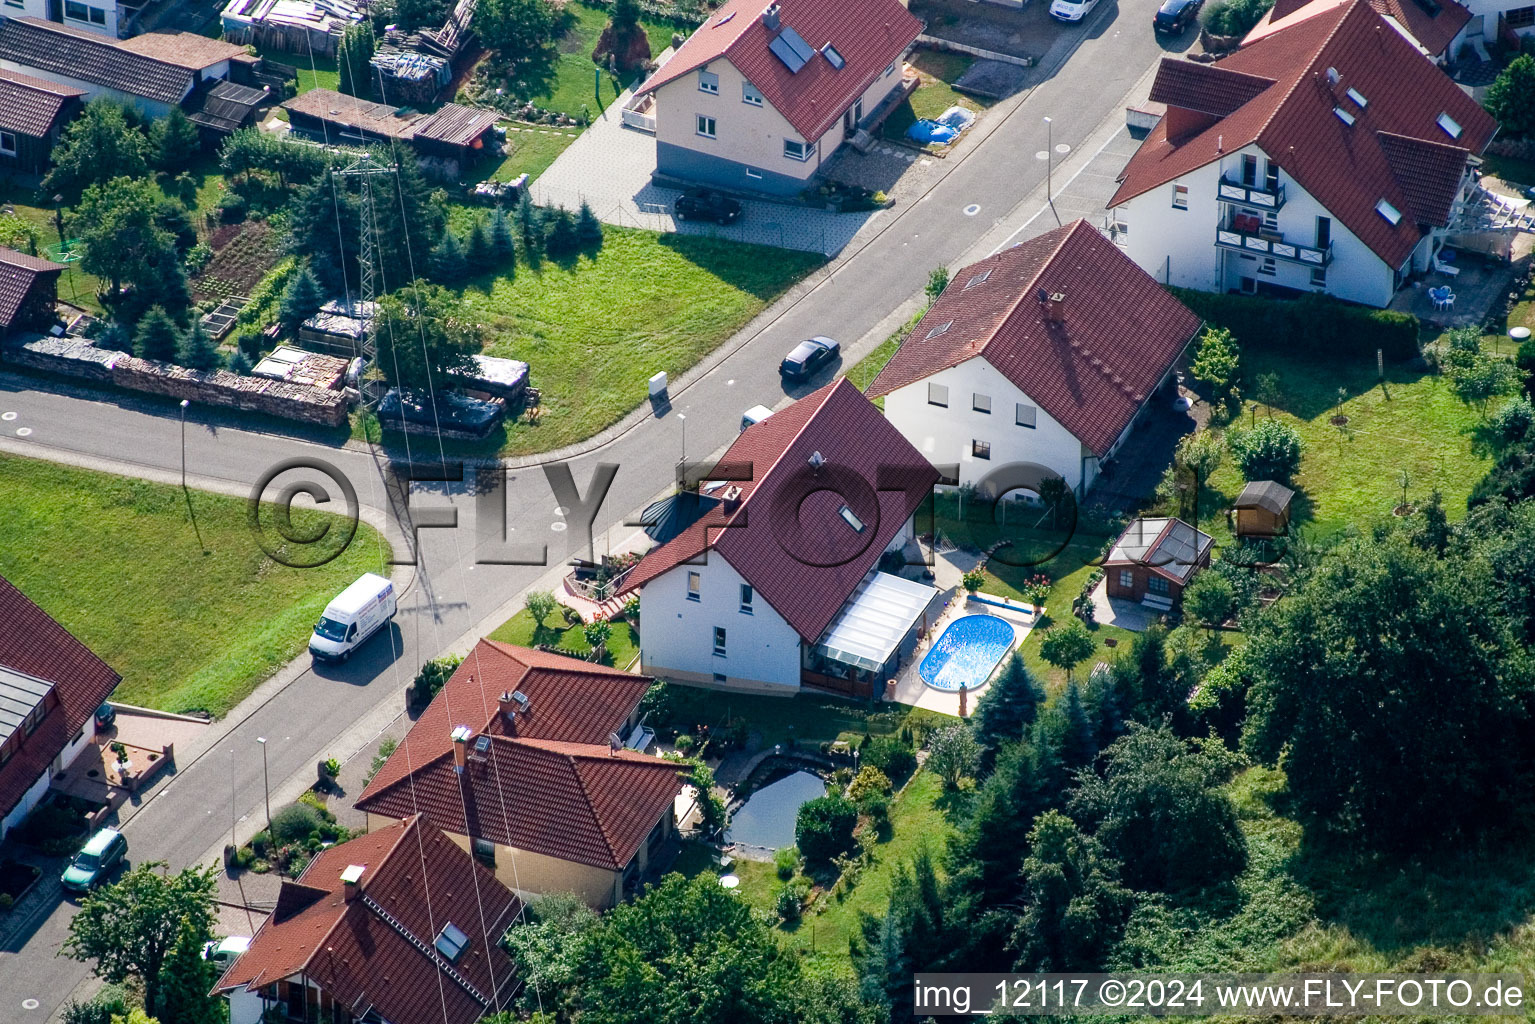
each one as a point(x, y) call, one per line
point(852, 117)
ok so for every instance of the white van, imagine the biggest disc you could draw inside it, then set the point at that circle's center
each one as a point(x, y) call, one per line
point(355, 614)
point(755, 415)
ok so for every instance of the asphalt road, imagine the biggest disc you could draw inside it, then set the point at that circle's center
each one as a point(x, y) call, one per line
point(450, 594)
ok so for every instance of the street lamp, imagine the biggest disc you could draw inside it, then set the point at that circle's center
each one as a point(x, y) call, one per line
point(682, 418)
point(266, 784)
point(184, 404)
point(1049, 161)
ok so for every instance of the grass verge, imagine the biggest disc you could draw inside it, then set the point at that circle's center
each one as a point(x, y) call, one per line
point(192, 617)
point(520, 629)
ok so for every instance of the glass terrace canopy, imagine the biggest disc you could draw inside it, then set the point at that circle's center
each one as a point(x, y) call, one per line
point(874, 620)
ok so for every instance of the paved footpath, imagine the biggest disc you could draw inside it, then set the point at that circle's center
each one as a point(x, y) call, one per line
point(985, 194)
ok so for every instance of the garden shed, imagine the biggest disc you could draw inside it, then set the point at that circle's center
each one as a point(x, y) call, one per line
point(1263, 509)
point(1154, 559)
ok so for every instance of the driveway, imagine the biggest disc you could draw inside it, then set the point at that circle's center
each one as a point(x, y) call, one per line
point(609, 166)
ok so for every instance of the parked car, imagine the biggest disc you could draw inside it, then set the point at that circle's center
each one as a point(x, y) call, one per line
point(357, 613)
point(706, 204)
point(808, 357)
point(1175, 16)
point(1071, 10)
point(755, 415)
point(224, 952)
point(91, 866)
point(105, 716)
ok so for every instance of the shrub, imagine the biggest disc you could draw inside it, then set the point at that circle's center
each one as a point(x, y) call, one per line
point(891, 756)
point(786, 861)
point(1036, 589)
point(1512, 422)
point(869, 780)
point(431, 677)
point(540, 605)
point(385, 749)
point(973, 580)
point(1235, 17)
point(1270, 450)
point(1313, 324)
point(1511, 97)
point(659, 705)
point(52, 828)
point(685, 744)
point(233, 208)
point(875, 806)
point(293, 823)
point(597, 633)
point(824, 828)
point(111, 1001)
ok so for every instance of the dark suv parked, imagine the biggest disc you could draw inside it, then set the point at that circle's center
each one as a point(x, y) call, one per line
point(706, 204)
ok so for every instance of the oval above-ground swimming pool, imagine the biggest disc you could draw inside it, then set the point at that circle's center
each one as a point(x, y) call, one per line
point(967, 652)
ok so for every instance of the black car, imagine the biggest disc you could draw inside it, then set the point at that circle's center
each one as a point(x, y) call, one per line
point(706, 204)
point(1176, 16)
point(808, 357)
point(105, 716)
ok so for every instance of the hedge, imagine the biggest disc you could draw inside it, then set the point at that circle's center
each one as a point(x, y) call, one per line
point(1312, 324)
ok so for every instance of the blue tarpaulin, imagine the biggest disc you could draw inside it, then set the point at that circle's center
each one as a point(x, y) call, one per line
point(926, 131)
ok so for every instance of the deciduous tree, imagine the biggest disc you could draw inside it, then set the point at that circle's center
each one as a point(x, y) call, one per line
point(104, 142)
point(1067, 645)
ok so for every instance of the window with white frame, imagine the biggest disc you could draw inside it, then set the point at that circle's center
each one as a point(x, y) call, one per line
point(1126, 578)
point(938, 394)
point(695, 585)
point(1025, 415)
point(719, 640)
point(797, 150)
point(746, 598)
point(1180, 197)
point(981, 403)
point(7, 144)
point(749, 94)
point(706, 127)
point(709, 82)
point(1268, 268)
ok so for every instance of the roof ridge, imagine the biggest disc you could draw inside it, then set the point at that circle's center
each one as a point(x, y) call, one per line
point(1348, 8)
point(799, 432)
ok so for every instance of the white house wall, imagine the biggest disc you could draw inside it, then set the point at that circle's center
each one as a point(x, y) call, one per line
point(112, 26)
point(677, 635)
point(1178, 246)
point(747, 151)
point(945, 436)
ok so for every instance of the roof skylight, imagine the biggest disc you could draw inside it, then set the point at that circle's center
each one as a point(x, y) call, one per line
point(1386, 210)
point(1358, 97)
point(942, 328)
point(851, 518)
point(978, 278)
point(1450, 125)
point(726, 18)
point(450, 942)
point(832, 56)
point(1343, 115)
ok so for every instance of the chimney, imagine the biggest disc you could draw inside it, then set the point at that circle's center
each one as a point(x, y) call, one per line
point(770, 17)
point(461, 736)
point(350, 879)
point(507, 707)
point(1055, 306)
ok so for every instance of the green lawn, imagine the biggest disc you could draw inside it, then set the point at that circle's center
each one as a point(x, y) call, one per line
point(189, 623)
point(596, 328)
point(531, 150)
point(1511, 169)
point(520, 629)
point(809, 718)
point(567, 81)
point(314, 71)
point(938, 71)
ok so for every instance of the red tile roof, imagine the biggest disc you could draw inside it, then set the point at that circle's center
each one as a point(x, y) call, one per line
point(552, 763)
point(31, 642)
point(1091, 371)
point(796, 550)
point(18, 272)
point(568, 700)
point(869, 34)
point(31, 106)
point(1347, 168)
point(1433, 23)
point(578, 802)
point(1205, 88)
point(422, 880)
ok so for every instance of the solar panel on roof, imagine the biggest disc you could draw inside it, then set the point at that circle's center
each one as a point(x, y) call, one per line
point(790, 47)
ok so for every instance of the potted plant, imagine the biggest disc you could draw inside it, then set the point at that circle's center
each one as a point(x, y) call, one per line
point(121, 753)
point(328, 769)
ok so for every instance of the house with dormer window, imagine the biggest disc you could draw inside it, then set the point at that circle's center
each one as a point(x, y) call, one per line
point(1328, 154)
point(763, 94)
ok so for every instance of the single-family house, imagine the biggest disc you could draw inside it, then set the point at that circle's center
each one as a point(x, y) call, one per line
point(1434, 26)
point(50, 687)
point(32, 113)
point(1036, 361)
point(1153, 560)
point(774, 582)
point(531, 761)
point(762, 94)
point(113, 19)
point(398, 926)
point(152, 72)
point(1328, 154)
point(1262, 509)
point(29, 290)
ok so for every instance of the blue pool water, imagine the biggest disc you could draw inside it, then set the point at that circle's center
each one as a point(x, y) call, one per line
point(966, 653)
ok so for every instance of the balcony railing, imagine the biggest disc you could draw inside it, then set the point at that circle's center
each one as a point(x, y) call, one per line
point(1251, 195)
point(1259, 243)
